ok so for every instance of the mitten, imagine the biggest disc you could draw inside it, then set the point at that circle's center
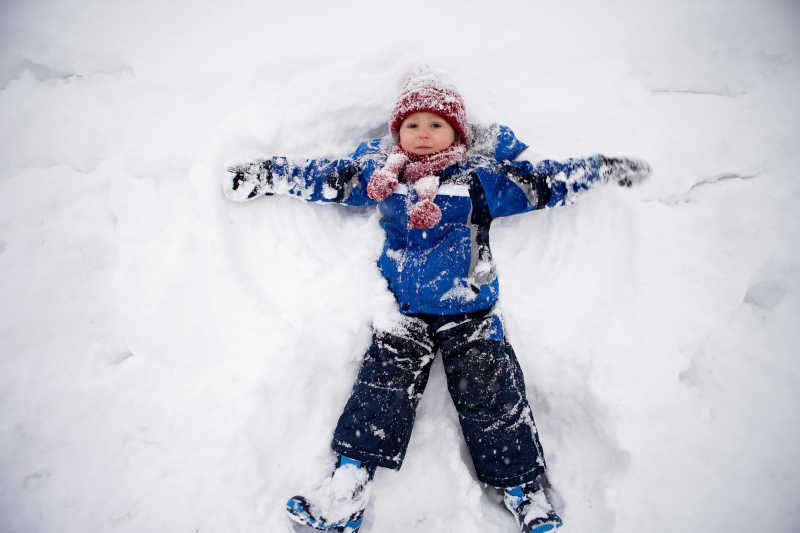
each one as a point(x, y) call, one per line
point(249, 181)
point(623, 171)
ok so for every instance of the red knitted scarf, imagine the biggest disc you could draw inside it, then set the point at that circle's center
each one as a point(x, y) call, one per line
point(419, 170)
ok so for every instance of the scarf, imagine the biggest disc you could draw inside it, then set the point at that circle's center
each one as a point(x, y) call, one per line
point(419, 170)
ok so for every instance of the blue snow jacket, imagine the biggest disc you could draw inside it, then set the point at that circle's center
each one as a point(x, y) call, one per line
point(447, 269)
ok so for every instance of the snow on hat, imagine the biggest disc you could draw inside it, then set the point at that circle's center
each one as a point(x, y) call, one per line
point(427, 93)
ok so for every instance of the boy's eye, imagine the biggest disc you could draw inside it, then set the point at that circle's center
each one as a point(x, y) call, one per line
point(411, 125)
point(436, 125)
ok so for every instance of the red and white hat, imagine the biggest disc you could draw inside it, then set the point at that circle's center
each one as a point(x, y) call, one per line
point(426, 93)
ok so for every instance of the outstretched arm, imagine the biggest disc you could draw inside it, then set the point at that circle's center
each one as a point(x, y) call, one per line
point(314, 180)
point(521, 186)
point(569, 178)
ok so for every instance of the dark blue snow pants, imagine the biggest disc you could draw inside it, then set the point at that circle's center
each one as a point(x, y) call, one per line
point(485, 382)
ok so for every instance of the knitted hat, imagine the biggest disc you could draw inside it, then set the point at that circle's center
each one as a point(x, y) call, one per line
point(426, 93)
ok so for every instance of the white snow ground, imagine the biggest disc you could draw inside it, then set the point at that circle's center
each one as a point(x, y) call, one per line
point(173, 362)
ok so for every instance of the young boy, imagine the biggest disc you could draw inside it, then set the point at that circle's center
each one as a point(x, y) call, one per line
point(438, 183)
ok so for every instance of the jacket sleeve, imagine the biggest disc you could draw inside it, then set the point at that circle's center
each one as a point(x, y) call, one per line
point(518, 186)
point(315, 180)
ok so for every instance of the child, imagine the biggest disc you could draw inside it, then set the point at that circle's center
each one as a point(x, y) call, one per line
point(438, 183)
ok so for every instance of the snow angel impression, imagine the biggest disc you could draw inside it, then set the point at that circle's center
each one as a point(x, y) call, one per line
point(438, 182)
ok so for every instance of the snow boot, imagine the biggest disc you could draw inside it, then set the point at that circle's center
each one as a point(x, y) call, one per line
point(338, 503)
point(531, 507)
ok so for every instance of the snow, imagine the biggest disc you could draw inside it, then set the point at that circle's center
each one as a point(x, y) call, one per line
point(173, 361)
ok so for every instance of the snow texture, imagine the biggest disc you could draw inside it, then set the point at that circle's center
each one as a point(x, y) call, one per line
point(173, 361)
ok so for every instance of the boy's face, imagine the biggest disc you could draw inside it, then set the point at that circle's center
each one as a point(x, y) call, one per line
point(425, 133)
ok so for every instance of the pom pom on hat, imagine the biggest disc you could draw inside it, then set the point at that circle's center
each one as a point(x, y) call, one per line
point(427, 93)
